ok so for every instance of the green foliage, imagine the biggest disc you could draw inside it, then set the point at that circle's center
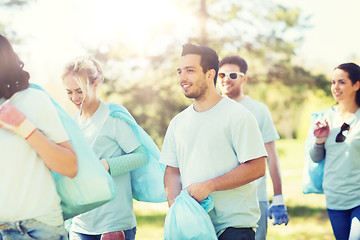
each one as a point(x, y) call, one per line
point(265, 34)
point(152, 94)
point(316, 101)
point(289, 17)
point(14, 3)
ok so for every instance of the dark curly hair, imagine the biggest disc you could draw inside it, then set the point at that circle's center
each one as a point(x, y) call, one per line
point(12, 76)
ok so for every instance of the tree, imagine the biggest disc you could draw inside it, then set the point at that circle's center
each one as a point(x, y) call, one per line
point(12, 5)
point(264, 33)
point(267, 36)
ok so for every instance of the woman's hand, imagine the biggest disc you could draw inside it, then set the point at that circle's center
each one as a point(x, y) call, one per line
point(15, 121)
point(321, 131)
point(105, 164)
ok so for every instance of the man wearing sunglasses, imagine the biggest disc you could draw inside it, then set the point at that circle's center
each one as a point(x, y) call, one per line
point(232, 78)
point(214, 147)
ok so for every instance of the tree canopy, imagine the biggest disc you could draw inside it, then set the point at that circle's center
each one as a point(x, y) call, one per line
point(143, 77)
point(265, 34)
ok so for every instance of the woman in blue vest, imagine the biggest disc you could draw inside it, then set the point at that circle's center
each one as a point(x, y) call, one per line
point(337, 141)
point(117, 147)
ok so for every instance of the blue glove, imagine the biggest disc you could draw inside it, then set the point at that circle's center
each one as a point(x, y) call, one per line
point(208, 203)
point(278, 209)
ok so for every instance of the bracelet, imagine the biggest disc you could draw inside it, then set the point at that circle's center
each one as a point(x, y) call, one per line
point(30, 134)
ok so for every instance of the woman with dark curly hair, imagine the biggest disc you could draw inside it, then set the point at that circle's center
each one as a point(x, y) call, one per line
point(33, 142)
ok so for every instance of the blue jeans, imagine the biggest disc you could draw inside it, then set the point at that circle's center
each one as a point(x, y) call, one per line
point(345, 223)
point(31, 229)
point(237, 234)
point(261, 231)
point(129, 235)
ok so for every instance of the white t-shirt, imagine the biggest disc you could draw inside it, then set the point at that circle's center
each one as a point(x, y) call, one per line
point(109, 137)
point(268, 133)
point(205, 145)
point(342, 164)
point(27, 187)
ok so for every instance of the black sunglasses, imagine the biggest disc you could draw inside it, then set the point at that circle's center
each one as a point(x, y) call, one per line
point(340, 137)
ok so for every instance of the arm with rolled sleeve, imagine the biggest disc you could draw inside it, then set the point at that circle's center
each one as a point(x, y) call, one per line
point(127, 162)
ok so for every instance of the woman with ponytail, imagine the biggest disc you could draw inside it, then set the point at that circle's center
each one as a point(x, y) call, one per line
point(117, 147)
point(337, 142)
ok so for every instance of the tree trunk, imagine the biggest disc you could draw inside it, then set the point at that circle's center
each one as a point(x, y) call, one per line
point(203, 17)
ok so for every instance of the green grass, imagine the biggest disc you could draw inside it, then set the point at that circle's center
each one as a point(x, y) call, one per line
point(308, 216)
point(150, 218)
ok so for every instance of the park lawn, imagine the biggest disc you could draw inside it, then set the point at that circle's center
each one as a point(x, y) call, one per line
point(308, 216)
point(150, 218)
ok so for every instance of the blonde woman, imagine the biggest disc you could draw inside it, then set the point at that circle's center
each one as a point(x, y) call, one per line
point(117, 147)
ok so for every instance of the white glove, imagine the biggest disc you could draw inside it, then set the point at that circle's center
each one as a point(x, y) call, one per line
point(278, 208)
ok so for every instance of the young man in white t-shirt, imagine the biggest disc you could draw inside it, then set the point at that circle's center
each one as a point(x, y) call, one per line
point(214, 147)
point(232, 77)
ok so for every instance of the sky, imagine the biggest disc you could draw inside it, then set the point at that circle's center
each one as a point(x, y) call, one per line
point(335, 35)
point(55, 31)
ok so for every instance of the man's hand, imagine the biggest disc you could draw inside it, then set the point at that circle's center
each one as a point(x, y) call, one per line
point(199, 191)
point(278, 209)
point(15, 121)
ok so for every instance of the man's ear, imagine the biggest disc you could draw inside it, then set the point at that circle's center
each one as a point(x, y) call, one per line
point(244, 79)
point(357, 85)
point(210, 74)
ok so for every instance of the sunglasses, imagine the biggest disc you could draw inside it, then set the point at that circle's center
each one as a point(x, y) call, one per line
point(231, 75)
point(340, 137)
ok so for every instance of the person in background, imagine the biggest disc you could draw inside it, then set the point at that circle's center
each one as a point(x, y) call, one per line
point(214, 147)
point(33, 142)
point(232, 78)
point(337, 133)
point(117, 147)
